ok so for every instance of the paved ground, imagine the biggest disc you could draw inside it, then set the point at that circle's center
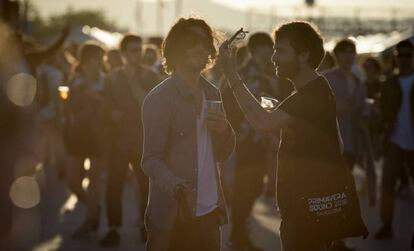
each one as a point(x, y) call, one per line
point(47, 227)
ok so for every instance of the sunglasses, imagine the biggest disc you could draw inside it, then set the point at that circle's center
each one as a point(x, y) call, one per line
point(238, 36)
point(194, 39)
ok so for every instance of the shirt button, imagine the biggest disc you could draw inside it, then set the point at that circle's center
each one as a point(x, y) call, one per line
point(181, 134)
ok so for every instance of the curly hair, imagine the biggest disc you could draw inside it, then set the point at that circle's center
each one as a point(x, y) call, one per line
point(303, 36)
point(182, 36)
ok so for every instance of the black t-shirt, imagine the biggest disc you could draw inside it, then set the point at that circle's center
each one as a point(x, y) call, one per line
point(310, 138)
point(313, 132)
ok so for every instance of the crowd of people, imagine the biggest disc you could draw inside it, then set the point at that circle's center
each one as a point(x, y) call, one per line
point(149, 109)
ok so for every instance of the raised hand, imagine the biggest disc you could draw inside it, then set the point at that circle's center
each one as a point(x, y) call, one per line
point(228, 57)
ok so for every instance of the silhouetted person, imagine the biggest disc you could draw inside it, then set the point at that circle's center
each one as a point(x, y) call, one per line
point(350, 96)
point(397, 104)
point(50, 77)
point(17, 120)
point(114, 59)
point(125, 89)
point(252, 146)
point(33, 58)
point(11, 132)
point(310, 137)
point(83, 135)
point(374, 84)
point(352, 111)
point(373, 73)
point(184, 140)
point(150, 56)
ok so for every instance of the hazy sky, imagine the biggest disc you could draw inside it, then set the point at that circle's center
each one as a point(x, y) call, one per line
point(385, 3)
point(222, 13)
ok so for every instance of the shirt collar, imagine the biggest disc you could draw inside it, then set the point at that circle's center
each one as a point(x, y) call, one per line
point(185, 91)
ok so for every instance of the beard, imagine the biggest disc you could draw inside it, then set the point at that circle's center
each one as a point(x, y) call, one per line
point(288, 69)
point(196, 65)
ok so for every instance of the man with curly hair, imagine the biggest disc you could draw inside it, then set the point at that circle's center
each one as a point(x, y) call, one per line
point(184, 139)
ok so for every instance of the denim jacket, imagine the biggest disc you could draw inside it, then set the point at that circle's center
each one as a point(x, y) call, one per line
point(170, 148)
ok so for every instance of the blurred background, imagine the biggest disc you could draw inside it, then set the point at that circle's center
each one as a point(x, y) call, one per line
point(43, 52)
point(44, 18)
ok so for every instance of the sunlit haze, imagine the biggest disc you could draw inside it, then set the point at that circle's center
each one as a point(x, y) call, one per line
point(141, 16)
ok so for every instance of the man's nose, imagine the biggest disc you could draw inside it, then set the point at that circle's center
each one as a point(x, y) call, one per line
point(273, 58)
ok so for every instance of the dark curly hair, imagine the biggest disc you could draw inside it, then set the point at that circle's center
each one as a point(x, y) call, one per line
point(303, 36)
point(182, 36)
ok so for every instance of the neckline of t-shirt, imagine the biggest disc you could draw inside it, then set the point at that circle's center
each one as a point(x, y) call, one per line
point(310, 83)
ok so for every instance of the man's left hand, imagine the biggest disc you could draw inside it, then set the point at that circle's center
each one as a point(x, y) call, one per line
point(216, 122)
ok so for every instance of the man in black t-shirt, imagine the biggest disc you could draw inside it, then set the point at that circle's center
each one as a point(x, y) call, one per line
point(310, 139)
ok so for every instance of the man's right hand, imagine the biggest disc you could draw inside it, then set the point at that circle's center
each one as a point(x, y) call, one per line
point(228, 59)
point(184, 196)
point(182, 189)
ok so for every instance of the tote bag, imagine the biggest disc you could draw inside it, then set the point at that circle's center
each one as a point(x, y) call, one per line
point(326, 204)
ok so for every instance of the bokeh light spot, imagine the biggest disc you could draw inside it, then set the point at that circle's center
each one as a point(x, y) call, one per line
point(50, 245)
point(25, 192)
point(85, 183)
point(87, 164)
point(21, 89)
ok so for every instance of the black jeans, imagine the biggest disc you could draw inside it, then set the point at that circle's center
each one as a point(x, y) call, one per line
point(117, 171)
point(395, 160)
point(201, 234)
